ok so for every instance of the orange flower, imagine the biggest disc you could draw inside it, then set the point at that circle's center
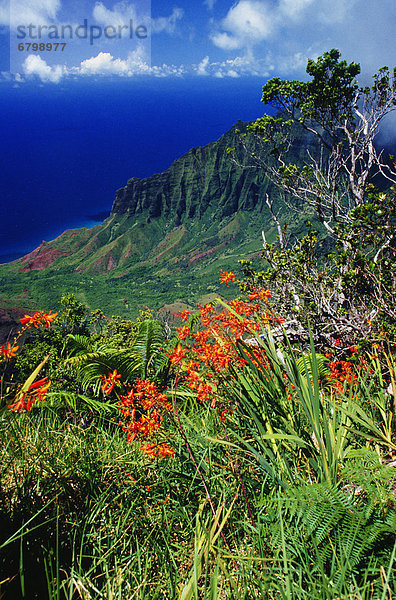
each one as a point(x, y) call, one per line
point(142, 408)
point(31, 321)
point(206, 310)
point(35, 393)
point(376, 346)
point(110, 381)
point(182, 332)
point(226, 277)
point(177, 355)
point(47, 318)
point(34, 321)
point(8, 351)
point(201, 336)
point(184, 315)
point(353, 349)
point(164, 451)
point(260, 294)
point(155, 451)
point(369, 322)
point(150, 449)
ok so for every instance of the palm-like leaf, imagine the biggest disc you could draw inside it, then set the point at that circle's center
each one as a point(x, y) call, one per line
point(146, 358)
point(149, 345)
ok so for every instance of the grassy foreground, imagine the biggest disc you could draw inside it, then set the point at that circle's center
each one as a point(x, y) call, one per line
point(227, 467)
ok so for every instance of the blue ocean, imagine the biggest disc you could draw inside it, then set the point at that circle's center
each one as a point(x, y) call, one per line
point(67, 148)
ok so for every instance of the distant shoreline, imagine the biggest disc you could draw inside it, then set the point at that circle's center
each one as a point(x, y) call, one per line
point(88, 222)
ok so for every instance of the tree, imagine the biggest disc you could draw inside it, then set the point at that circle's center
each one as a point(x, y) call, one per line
point(335, 183)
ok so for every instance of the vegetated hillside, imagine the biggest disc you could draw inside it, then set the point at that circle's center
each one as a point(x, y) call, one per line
point(164, 242)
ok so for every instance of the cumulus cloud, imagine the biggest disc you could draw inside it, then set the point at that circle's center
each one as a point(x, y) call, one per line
point(35, 65)
point(105, 64)
point(120, 16)
point(135, 64)
point(102, 65)
point(250, 22)
point(25, 12)
point(247, 23)
point(293, 8)
point(336, 11)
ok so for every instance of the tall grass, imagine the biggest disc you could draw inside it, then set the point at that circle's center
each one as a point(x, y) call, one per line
point(290, 498)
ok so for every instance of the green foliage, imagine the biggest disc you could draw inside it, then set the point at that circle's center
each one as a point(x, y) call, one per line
point(91, 359)
point(293, 428)
point(74, 316)
point(353, 280)
point(324, 100)
point(342, 539)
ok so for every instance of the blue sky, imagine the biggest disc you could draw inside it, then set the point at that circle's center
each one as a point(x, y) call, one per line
point(212, 38)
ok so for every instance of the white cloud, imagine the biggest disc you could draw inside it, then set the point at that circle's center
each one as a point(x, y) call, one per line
point(24, 12)
point(105, 64)
point(120, 16)
point(102, 64)
point(233, 67)
point(336, 11)
point(35, 65)
point(247, 23)
point(250, 22)
point(167, 24)
point(201, 70)
point(225, 41)
point(293, 30)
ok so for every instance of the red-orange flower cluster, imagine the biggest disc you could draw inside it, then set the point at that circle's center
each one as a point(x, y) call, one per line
point(226, 277)
point(177, 355)
point(143, 407)
point(207, 354)
point(156, 451)
point(182, 332)
point(35, 320)
point(342, 373)
point(8, 351)
point(110, 381)
point(35, 393)
point(184, 315)
point(258, 294)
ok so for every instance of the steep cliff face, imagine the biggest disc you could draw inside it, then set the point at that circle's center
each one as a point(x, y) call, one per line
point(203, 180)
